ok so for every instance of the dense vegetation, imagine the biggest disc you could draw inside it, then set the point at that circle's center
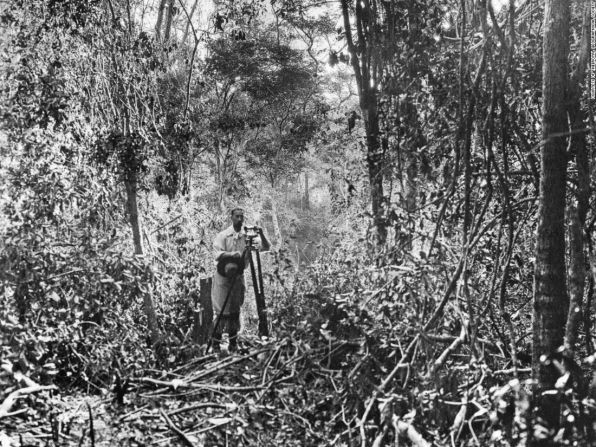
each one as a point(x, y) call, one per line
point(422, 168)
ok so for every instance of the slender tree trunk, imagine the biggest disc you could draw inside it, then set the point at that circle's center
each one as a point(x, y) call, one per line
point(276, 229)
point(220, 173)
point(306, 191)
point(374, 161)
point(190, 16)
point(169, 18)
point(133, 213)
point(158, 24)
point(550, 295)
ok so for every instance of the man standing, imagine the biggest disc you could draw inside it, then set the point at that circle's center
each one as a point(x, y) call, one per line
point(231, 258)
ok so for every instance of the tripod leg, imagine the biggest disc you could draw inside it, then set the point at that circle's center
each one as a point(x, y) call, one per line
point(260, 273)
point(259, 297)
point(253, 273)
point(218, 321)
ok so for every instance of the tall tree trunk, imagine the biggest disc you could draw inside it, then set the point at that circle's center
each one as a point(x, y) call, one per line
point(577, 277)
point(577, 214)
point(550, 295)
point(364, 60)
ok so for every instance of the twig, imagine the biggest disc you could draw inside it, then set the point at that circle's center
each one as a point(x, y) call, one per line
point(271, 384)
point(167, 223)
point(91, 428)
point(203, 430)
point(51, 278)
point(403, 363)
point(197, 407)
point(16, 413)
point(406, 430)
point(130, 413)
point(264, 377)
point(512, 370)
point(205, 358)
point(175, 429)
point(447, 352)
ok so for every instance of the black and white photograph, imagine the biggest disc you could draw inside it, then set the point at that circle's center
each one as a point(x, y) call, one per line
point(297, 223)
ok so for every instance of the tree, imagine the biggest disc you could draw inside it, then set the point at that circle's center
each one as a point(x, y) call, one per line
point(577, 212)
point(262, 102)
point(127, 85)
point(365, 56)
point(550, 294)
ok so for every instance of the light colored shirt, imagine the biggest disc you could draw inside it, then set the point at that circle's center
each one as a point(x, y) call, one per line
point(229, 240)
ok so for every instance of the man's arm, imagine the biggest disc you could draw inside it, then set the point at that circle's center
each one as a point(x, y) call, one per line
point(219, 247)
point(265, 244)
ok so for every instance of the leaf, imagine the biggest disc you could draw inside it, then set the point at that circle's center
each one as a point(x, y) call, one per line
point(219, 421)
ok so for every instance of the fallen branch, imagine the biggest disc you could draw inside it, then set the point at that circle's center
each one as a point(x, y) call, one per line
point(176, 430)
point(130, 413)
point(204, 386)
point(12, 397)
point(194, 362)
point(21, 378)
point(442, 338)
point(197, 407)
point(446, 295)
point(512, 370)
point(206, 429)
point(228, 363)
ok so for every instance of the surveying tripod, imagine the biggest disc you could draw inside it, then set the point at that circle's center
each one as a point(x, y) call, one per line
point(257, 280)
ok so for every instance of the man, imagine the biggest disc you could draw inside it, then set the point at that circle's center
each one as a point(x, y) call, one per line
point(231, 259)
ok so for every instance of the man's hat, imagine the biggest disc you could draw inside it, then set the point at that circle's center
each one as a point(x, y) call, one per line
point(229, 266)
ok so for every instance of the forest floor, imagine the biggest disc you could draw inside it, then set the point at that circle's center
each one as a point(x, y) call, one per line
point(269, 393)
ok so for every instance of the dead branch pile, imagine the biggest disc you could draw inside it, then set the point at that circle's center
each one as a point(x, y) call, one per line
point(279, 393)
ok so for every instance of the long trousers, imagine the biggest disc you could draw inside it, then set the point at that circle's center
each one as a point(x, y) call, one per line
point(229, 324)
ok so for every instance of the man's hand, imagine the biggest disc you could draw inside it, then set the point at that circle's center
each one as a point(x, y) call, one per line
point(236, 254)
